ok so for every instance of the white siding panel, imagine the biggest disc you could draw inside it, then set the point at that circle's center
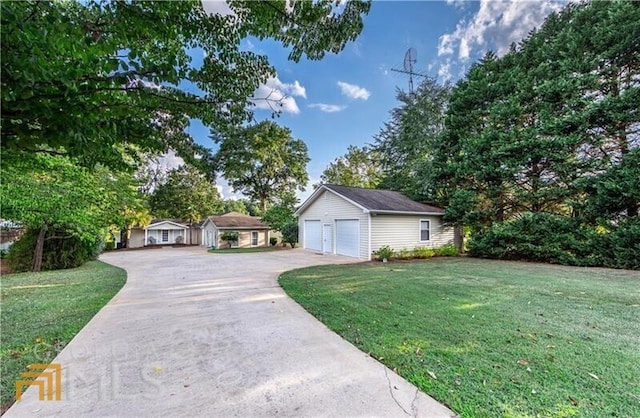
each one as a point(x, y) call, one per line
point(403, 232)
point(327, 208)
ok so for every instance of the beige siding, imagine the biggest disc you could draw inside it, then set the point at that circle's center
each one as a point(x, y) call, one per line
point(244, 239)
point(403, 232)
point(327, 208)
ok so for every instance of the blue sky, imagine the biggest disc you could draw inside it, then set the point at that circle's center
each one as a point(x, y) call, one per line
point(345, 99)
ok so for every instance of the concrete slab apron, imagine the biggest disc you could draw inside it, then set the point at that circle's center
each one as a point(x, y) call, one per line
point(197, 334)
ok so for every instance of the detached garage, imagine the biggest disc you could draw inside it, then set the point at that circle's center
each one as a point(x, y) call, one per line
point(354, 222)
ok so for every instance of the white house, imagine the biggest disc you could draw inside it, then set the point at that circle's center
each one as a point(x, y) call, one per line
point(252, 232)
point(355, 222)
point(165, 232)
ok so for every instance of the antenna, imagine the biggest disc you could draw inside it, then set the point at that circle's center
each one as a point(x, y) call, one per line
point(410, 58)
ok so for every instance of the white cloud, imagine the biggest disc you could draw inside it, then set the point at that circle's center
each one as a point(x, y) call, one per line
point(327, 108)
point(495, 26)
point(458, 4)
point(276, 95)
point(220, 7)
point(353, 92)
point(444, 71)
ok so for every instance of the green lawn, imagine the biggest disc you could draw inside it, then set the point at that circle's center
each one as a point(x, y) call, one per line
point(491, 338)
point(248, 250)
point(42, 312)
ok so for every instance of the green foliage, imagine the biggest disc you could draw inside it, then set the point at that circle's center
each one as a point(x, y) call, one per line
point(359, 167)
point(53, 193)
point(405, 144)
point(559, 239)
point(447, 251)
point(278, 216)
point(548, 132)
point(383, 252)
point(230, 236)
point(264, 162)
point(230, 205)
point(290, 234)
point(187, 195)
point(416, 253)
point(273, 241)
point(120, 73)
point(61, 251)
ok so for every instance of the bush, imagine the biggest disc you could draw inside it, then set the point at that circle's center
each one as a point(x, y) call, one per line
point(273, 241)
point(290, 234)
point(562, 240)
point(60, 251)
point(383, 252)
point(447, 251)
point(109, 245)
point(230, 237)
point(423, 252)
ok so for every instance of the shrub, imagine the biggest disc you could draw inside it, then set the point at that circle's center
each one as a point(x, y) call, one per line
point(60, 251)
point(560, 239)
point(447, 251)
point(290, 234)
point(423, 252)
point(273, 241)
point(109, 245)
point(230, 237)
point(383, 252)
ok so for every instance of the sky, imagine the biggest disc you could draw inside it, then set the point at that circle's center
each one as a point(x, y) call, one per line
point(345, 99)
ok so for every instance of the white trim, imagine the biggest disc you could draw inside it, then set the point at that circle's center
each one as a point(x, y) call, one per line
point(397, 212)
point(420, 230)
point(316, 194)
point(157, 224)
point(369, 233)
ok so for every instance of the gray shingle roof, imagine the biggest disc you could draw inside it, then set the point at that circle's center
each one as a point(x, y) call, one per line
point(237, 220)
point(382, 200)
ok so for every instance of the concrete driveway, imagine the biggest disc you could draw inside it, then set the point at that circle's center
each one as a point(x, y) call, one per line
point(198, 334)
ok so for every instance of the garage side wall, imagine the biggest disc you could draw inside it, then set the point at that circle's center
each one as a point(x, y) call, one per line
point(327, 208)
point(403, 232)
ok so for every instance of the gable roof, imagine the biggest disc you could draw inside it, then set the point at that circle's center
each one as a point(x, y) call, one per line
point(375, 201)
point(235, 220)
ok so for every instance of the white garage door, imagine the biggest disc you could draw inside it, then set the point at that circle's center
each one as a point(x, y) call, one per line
point(348, 237)
point(313, 235)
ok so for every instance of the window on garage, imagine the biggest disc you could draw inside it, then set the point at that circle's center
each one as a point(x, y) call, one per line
point(165, 235)
point(425, 230)
point(254, 238)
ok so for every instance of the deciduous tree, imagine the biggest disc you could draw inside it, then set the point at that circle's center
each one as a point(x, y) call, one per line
point(264, 162)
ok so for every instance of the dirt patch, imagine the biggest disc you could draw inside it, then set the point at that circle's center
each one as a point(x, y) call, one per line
point(4, 268)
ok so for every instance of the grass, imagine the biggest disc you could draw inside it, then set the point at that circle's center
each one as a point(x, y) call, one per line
point(42, 312)
point(491, 338)
point(247, 250)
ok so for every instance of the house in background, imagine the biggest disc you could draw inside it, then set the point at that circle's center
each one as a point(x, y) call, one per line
point(252, 231)
point(165, 232)
point(355, 222)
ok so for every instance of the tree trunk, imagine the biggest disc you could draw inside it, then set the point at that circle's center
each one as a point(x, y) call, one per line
point(37, 253)
point(458, 238)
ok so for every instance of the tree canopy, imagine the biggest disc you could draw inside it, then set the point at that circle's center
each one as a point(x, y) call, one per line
point(187, 194)
point(264, 162)
point(359, 167)
point(98, 79)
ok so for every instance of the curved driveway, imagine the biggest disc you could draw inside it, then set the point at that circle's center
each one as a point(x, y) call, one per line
point(199, 334)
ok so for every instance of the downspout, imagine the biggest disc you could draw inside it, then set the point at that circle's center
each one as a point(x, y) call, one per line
point(369, 234)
